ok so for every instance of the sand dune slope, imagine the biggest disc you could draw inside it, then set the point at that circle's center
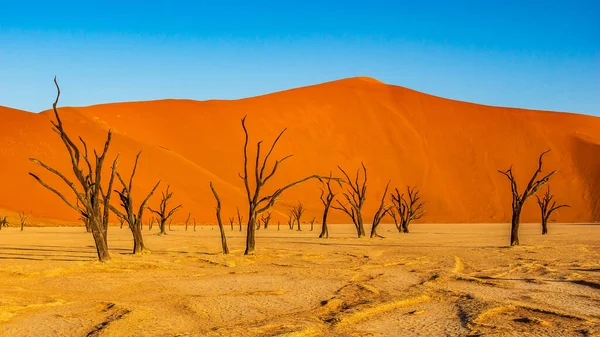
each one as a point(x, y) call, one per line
point(451, 149)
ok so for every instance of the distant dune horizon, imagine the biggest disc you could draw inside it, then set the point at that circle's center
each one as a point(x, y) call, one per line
point(450, 149)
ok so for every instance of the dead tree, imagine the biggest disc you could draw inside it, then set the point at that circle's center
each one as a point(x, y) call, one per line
point(518, 199)
point(266, 218)
point(312, 223)
point(326, 199)
point(23, 219)
point(240, 218)
point(163, 213)
point(278, 224)
point(121, 221)
point(170, 221)
point(297, 212)
point(128, 213)
point(406, 209)
point(547, 209)
point(258, 204)
point(231, 221)
point(223, 238)
point(187, 221)
point(94, 200)
point(355, 195)
point(3, 222)
point(381, 212)
point(194, 224)
point(150, 223)
point(290, 220)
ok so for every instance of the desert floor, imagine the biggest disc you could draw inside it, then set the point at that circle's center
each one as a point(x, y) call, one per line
point(442, 279)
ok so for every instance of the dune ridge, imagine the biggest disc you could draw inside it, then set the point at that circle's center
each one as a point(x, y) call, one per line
point(450, 149)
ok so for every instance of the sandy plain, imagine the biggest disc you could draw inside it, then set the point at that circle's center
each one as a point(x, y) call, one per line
point(439, 280)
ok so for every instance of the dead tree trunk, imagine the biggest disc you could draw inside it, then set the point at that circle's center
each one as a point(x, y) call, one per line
point(355, 196)
point(231, 221)
point(266, 218)
point(3, 222)
point(547, 209)
point(163, 213)
point(23, 219)
point(312, 223)
point(150, 223)
point(95, 203)
point(256, 203)
point(381, 212)
point(133, 219)
point(240, 218)
point(297, 212)
point(406, 209)
point(187, 221)
point(278, 224)
point(290, 220)
point(223, 238)
point(194, 224)
point(326, 199)
point(518, 200)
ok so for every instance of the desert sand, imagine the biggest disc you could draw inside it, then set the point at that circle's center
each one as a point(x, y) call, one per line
point(451, 150)
point(439, 280)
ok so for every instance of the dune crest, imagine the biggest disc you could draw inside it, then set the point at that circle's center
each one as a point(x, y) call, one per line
point(450, 149)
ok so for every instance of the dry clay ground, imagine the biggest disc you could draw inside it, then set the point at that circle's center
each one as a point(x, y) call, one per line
point(440, 280)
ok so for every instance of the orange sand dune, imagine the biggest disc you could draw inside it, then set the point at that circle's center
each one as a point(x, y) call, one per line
point(451, 149)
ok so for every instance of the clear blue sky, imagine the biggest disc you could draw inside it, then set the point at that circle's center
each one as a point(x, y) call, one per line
point(531, 54)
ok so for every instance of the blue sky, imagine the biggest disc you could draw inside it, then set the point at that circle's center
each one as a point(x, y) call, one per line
point(530, 54)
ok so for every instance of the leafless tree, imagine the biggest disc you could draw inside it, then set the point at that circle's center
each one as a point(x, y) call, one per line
point(381, 212)
point(406, 209)
point(187, 221)
point(240, 218)
point(326, 198)
point(266, 218)
point(297, 212)
point(150, 223)
point(355, 195)
point(278, 224)
point(223, 238)
point(312, 223)
point(291, 219)
point(194, 224)
point(170, 221)
point(518, 200)
point(231, 221)
point(129, 214)
point(3, 222)
point(121, 221)
point(258, 204)
point(23, 219)
point(547, 209)
point(163, 213)
point(93, 198)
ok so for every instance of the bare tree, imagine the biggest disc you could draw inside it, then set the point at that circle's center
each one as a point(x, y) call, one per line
point(129, 215)
point(240, 218)
point(223, 238)
point(406, 209)
point(23, 219)
point(194, 224)
point(90, 194)
point(291, 219)
point(518, 200)
point(258, 204)
point(355, 196)
point(326, 199)
point(121, 221)
point(170, 221)
point(278, 224)
point(312, 223)
point(231, 221)
point(547, 209)
point(163, 213)
point(381, 212)
point(3, 222)
point(297, 212)
point(150, 223)
point(187, 221)
point(266, 218)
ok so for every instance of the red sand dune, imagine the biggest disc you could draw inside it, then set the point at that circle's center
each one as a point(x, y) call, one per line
point(451, 150)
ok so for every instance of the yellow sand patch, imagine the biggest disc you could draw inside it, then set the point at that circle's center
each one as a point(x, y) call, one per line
point(364, 314)
point(308, 332)
point(492, 312)
point(8, 311)
point(459, 266)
